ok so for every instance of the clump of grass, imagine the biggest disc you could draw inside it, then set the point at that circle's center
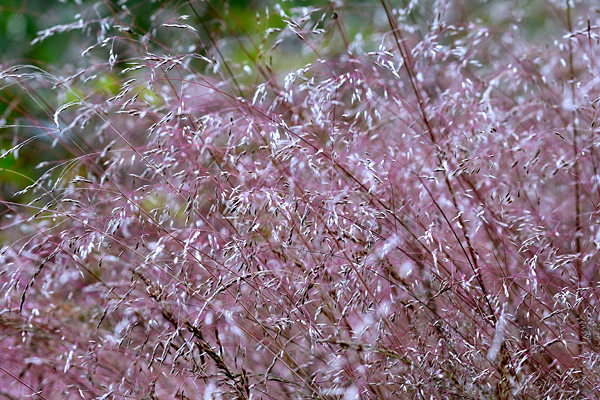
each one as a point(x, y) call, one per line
point(334, 201)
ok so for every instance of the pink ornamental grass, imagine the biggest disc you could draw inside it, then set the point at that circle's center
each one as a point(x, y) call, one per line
point(339, 202)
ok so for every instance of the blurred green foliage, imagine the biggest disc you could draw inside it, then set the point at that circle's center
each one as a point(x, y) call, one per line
point(19, 23)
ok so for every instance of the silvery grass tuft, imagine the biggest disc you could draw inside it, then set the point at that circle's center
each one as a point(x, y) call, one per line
point(334, 200)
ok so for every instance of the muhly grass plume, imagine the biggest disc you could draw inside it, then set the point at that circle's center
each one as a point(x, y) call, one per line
point(346, 202)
